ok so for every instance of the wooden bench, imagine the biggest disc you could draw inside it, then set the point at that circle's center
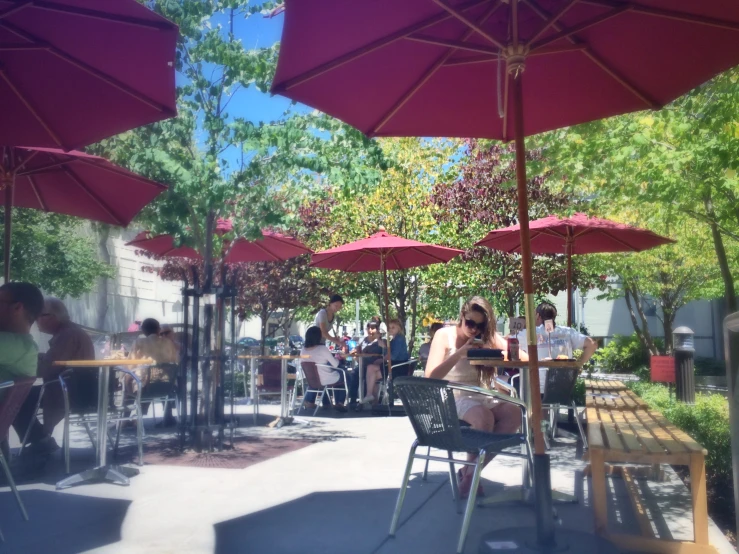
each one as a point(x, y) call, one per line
point(612, 395)
point(645, 437)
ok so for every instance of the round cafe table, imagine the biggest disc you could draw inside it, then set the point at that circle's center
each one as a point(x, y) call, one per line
point(285, 407)
point(102, 472)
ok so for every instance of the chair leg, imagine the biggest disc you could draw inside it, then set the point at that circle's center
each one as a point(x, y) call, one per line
point(580, 427)
point(34, 421)
point(453, 481)
point(426, 466)
point(66, 443)
point(11, 481)
point(140, 430)
point(86, 425)
point(402, 491)
point(319, 402)
point(470, 502)
point(554, 417)
point(118, 426)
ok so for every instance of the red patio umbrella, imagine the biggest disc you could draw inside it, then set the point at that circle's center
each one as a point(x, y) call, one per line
point(71, 183)
point(162, 246)
point(74, 72)
point(457, 67)
point(380, 252)
point(272, 247)
point(578, 234)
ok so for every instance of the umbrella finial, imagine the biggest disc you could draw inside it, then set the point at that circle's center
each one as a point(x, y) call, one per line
point(381, 229)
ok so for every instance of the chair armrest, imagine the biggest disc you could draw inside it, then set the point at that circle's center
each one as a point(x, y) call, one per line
point(507, 386)
point(6, 384)
point(491, 393)
point(412, 360)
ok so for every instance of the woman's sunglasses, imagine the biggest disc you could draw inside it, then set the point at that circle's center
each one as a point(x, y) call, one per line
point(472, 324)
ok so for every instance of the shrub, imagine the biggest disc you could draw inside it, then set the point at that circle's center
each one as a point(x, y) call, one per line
point(707, 422)
point(624, 355)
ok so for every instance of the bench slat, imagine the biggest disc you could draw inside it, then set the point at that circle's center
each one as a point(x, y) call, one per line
point(651, 445)
point(628, 435)
point(678, 433)
point(665, 439)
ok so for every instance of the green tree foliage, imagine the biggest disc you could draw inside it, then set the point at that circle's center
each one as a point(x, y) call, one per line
point(685, 156)
point(54, 252)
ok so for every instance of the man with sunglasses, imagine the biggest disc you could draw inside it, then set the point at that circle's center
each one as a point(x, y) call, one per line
point(20, 306)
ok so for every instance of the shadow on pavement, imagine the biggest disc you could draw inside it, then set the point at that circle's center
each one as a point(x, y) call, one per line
point(60, 523)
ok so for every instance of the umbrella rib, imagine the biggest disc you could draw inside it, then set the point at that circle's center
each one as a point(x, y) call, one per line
point(428, 74)
point(47, 167)
point(369, 48)
point(15, 9)
point(32, 154)
point(553, 20)
point(37, 192)
point(86, 67)
point(261, 247)
point(459, 45)
point(624, 243)
point(595, 59)
point(474, 26)
point(30, 107)
point(362, 254)
point(103, 16)
point(103, 206)
point(569, 31)
point(669, 14)
point(542, 52)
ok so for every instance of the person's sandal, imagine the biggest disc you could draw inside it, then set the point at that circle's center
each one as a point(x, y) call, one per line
point(465, 484)
point(340, 408)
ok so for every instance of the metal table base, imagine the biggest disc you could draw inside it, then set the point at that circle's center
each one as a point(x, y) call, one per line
point(103, 473)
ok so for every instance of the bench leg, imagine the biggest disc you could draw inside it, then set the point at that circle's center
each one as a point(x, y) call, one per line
point(698, 491)
point(600, 506)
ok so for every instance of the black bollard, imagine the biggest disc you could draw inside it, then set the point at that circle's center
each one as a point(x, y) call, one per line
point(684, 366)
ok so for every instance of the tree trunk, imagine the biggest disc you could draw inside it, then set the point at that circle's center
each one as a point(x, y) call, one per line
point(264, 315)
point(633, 299)
point(668, 321)
point(103, 288)
point(718, 243)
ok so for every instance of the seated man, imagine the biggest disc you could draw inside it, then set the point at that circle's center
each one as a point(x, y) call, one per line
point(20, 306)
point(68, 342)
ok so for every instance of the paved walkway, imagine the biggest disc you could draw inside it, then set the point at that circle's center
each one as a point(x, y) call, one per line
point(334, 496)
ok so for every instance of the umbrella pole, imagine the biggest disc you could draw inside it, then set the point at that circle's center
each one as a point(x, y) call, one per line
point(568, 248)
point(386, 299)
point(9, 189)
point(542, 477)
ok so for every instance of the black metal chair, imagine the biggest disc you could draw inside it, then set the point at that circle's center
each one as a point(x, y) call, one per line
point(559, 391)
point(432, 410)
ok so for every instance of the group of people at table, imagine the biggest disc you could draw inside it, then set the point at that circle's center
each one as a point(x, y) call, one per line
point(22, 305)
point(445, 356)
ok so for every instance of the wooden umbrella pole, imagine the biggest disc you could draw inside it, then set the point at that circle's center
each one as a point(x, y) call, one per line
point(386, 314)
point(568, 252)
point(528, 282)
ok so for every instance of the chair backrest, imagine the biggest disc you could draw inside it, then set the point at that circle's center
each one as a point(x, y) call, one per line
point(560, 385)
point(271, 372)
point(310, 370)
point(11, 402)
point(432, 410)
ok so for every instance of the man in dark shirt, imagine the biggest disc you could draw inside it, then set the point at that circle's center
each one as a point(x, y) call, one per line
point(68, 342)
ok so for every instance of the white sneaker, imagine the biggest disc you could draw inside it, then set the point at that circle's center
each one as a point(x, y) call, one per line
point(367, 399)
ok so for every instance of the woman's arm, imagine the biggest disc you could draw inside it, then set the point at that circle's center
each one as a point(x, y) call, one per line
point(437, 367)
point(328, 357)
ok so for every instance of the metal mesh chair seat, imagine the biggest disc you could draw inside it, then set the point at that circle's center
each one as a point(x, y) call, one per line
point(432, 411)
point(491, 442)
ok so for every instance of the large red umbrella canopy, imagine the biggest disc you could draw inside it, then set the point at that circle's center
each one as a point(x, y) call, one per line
point(578, 234)
point(77, 184)
point(272, 247)
point(73, 72)
point(431, 67)
point(162, 246)
point(382, 251)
